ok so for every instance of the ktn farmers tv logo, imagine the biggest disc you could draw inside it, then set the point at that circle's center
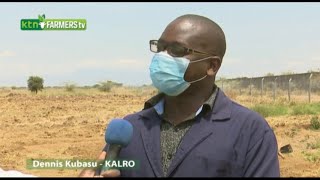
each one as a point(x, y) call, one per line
point(52, 24)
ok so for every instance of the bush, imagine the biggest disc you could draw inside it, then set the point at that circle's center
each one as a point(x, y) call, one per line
point(70, 87)
point(96, 86)
point(106, 86)
point(86, 87)
point(114, 84)
point(35, 84)
point(315, 124)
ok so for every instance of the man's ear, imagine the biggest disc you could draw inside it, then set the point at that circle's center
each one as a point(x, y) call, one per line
point(214, 67)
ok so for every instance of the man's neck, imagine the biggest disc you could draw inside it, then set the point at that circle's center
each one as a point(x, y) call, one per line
point(178, 108)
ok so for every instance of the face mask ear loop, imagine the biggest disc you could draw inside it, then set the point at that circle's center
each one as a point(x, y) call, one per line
point(198, 79)
point(199, 61)
point(205, 59)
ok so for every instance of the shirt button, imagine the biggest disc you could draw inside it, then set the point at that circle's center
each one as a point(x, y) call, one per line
point(169, 156)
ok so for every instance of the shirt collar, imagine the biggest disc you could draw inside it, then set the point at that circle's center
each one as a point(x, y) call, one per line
point(157, 102)
point(159, 107)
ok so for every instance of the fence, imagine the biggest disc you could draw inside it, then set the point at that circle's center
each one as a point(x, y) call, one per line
point(306, 84)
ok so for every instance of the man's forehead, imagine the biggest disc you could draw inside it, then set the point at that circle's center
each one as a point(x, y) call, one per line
point(196, 32)
point(184, 26)
point(180, 32)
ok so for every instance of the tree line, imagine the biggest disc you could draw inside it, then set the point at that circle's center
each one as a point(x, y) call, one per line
point(36, 84)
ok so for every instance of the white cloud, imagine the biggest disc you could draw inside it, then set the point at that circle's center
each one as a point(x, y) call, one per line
point(7, 53)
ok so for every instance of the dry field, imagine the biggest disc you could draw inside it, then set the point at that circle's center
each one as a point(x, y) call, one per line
point(56, 124)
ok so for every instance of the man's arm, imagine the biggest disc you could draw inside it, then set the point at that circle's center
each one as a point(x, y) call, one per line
point(262, 158)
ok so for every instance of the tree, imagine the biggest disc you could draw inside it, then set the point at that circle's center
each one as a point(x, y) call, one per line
point(269, 74)
point(35, 84)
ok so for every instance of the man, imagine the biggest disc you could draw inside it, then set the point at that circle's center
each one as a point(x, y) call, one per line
point(192, 129)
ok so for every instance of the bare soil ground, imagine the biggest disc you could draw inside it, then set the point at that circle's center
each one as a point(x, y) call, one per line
point(58, 125)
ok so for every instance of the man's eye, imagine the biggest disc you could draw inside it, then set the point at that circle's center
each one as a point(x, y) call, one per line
point(160, 47)
point(177, 51)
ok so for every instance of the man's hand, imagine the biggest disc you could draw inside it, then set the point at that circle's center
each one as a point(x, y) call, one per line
point(108, 173)
point(87, 173)
point(92, 172)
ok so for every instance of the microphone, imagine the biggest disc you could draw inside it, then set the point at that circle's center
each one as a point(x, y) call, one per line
point(118, 134)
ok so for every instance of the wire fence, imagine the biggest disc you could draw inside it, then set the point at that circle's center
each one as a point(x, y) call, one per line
point(306, 85)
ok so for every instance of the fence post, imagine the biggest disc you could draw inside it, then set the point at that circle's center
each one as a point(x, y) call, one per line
point(309, 92)
point(262, 86)
point(289, 88)
point(274, 88)
point(250, 86)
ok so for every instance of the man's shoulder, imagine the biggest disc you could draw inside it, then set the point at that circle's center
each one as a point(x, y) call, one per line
point(249, 119)
point(240, 111)
point(243, 111)
point(237, 112)
point(133, 117)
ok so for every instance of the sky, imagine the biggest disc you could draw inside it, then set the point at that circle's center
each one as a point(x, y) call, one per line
point(261, 38)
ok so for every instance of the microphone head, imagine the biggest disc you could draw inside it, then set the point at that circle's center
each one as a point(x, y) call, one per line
point(119, 131)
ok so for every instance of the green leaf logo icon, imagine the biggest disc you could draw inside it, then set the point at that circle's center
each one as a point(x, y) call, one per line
point(41, 19)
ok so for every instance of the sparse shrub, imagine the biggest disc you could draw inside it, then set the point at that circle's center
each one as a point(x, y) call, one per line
point(315, 145)
point(314, 122)
point(291, 133)
point(312, 157)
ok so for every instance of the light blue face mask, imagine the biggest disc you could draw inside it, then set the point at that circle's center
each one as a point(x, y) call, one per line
point(167, 73)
